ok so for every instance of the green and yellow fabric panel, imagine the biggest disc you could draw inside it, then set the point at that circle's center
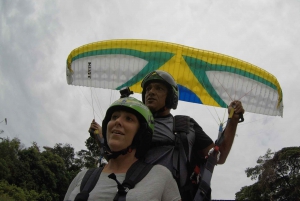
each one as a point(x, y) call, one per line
point(203, 77)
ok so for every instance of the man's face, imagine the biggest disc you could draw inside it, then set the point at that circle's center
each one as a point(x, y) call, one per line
point(155, 96)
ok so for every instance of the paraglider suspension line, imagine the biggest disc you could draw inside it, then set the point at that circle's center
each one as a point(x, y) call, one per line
point(92, 102)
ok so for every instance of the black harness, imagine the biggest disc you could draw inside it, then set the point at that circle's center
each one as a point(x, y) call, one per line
point(137, 171)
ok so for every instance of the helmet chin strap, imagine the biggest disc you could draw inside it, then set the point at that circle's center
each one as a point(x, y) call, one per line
point(116, 154)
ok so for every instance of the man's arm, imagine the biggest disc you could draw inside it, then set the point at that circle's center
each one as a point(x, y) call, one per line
point(95, 131)
point(229, 132)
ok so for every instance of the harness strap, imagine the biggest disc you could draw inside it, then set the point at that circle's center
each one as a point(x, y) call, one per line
point(88, 183)
point(204, 189)
point(175, 170)
point(181, 128)
point(159, 143)
point(137, 171)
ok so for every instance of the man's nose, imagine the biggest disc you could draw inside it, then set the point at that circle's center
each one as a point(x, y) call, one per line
point(151, 91)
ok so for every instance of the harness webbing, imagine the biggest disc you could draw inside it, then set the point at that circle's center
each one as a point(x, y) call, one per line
point(89, 181)
point(204, 190)
point(134, 175)
point(137, 171)
point(181, 128)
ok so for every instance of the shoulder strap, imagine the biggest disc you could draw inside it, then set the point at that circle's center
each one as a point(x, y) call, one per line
point(88, 183)
point(181, 126)
point(181, 129)
point(134, 175)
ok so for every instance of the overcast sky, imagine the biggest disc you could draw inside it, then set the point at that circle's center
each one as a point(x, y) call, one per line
point(37, 37)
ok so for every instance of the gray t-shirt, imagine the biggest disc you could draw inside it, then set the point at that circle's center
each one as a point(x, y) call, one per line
point(163, 144)
point(163, 133)
point(157, 185)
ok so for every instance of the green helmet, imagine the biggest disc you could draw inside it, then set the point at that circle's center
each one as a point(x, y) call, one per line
point(166, 78)
point(143, 138)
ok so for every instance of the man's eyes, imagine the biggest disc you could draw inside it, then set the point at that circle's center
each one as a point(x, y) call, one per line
point(156, 88)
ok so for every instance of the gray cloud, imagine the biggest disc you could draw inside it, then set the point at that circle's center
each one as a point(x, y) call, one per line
point(36, 38)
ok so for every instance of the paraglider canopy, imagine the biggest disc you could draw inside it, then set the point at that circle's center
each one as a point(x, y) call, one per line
point(203, 77)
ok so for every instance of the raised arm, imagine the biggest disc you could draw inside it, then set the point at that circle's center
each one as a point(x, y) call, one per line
point(230, 130)
point(95, 131)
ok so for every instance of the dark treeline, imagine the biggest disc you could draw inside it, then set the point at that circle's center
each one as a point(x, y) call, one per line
point(44, 174)
point(41, 174)
point(277, 175)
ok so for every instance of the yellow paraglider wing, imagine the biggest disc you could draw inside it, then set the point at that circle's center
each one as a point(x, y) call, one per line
point(203, 77)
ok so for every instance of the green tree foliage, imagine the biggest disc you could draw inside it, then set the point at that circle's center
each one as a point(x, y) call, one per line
point(277, 174)
point(12, 192)
point(8, 158)
point(85, 158)
point(91, 156)
point(72, 164)
point(32, 174)
point(66, 152)
point(93, 147)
